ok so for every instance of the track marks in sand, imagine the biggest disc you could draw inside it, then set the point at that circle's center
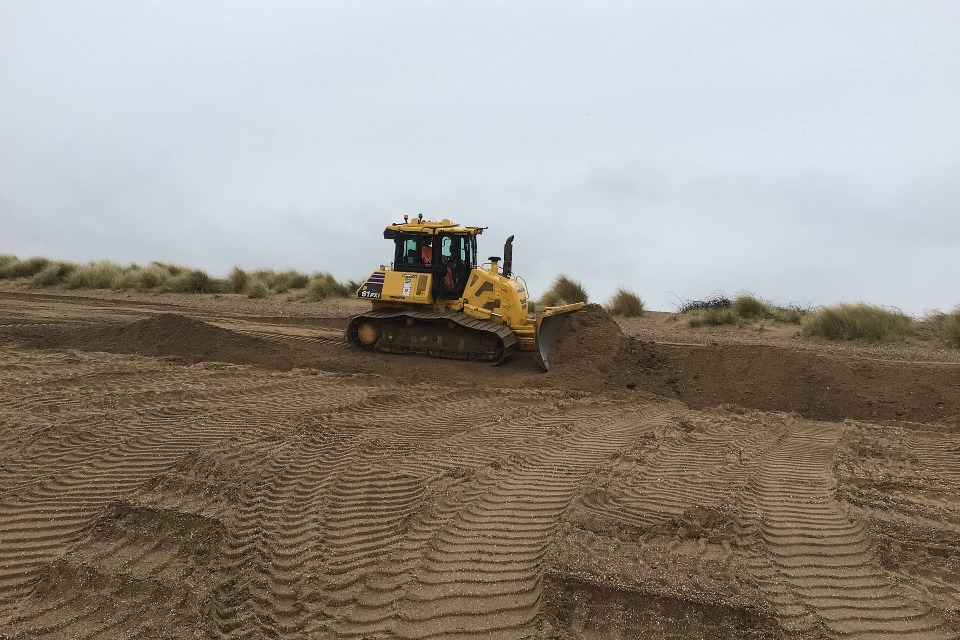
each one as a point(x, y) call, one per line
point(367, 519)
point(300, 533)
point(139, 572)
point(692, 462)
point(816, 564)
point(470, 561)
point(912, 507)
point(273, 541)
point(62, 471)
point(37, 524)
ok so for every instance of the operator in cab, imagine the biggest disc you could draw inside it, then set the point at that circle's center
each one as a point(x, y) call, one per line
point(426, 251)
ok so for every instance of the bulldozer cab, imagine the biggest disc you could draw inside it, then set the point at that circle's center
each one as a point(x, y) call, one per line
point(449, 256)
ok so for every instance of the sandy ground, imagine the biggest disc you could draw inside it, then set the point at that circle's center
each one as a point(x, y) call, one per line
point(200, 466)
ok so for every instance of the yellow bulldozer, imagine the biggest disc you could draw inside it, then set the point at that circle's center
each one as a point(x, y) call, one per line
point(434, 299)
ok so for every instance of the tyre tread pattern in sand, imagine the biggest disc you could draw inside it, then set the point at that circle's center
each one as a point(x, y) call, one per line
point(815, 562)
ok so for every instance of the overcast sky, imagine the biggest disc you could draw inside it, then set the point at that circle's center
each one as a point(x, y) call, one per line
point(805, 151)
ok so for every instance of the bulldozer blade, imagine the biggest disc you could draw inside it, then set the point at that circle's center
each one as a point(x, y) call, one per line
point(548, 325)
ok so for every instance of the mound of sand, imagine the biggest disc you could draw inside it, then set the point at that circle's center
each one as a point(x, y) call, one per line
point(592, 352)
point(187, 340)
point(587, 337)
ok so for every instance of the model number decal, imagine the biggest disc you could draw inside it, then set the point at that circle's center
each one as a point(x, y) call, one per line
point(371, 291)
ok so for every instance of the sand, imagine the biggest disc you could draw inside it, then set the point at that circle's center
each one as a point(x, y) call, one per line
point(217, 467)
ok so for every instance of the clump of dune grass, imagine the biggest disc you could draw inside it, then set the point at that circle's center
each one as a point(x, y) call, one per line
point(744, 309)
point(750, 307)
point(238, 280)
point(263, 282)
point(6, 259)
point(102, 274)
point(792, 314)
point(53, 274)
point(625, 303)
point(175, 270)
point(196, 281)
point(715, 317)
point(859, 321)
point(943, 326)
point(128, 278)
point(564, 290)
point(12, 267)
point(257, 288)
point(282, 281)
point(153, 276)
point(324, 285)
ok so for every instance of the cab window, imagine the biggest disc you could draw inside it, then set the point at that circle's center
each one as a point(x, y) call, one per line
point(413, 251)
point(456, 248)
point(446, 248)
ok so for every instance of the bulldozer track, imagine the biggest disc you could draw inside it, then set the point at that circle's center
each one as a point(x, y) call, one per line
point(396, 333)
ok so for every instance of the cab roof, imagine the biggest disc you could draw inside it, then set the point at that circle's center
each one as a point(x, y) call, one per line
point(430, 227)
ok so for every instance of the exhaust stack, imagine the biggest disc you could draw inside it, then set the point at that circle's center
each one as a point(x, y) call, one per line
point(508, 257)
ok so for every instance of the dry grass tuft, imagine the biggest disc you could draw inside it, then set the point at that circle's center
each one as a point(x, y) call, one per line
point(5, 260)
point(715, 317)
point(791, 314)
point(174, 270)
point(96, 275)
point(859, 322)
point(943, 326)
point(154, 276)
point(282, 281)
point(238, 280)
point(196, 281)
point(744, 309)
point(563, 291)
point(750, 307)
point(55, 273)
point(324, 285)
point(257, 288)
point(12, 267)
point(625, 303)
